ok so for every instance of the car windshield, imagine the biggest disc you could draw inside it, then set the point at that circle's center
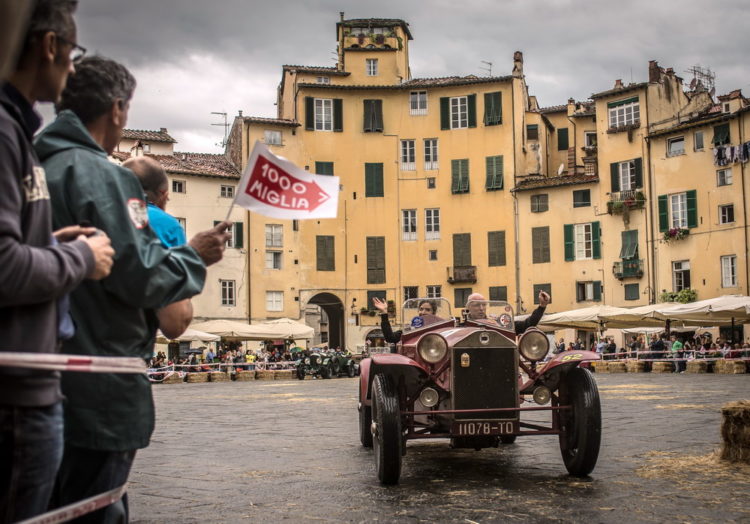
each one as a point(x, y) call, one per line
point(491, 312)
point(420, 312)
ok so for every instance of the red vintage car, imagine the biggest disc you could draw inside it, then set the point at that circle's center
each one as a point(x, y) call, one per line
point(472, 380)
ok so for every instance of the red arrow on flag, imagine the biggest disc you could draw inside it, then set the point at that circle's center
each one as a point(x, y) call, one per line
point(272, 185)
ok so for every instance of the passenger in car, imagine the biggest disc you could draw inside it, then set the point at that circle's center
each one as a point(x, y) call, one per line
point(476, 306)
point(425, 307)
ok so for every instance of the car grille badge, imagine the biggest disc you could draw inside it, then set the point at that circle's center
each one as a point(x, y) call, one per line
point(465, 360)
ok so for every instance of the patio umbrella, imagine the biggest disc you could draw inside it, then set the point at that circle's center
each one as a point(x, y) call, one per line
point(282, 328)
point(724, 309)
point(191, 335)
point(591, 318)
point(234, 329)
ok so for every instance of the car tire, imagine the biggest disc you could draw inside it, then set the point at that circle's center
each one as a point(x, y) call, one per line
point(350, 371)
point(325, 372)
point(335, 367)
point(507, 439)
point(301, 373)
point(365, 422)
point(581, 426)
point(387, 441)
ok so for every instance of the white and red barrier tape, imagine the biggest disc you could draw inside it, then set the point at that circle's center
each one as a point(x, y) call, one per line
point(55, 362)
point(78, 509)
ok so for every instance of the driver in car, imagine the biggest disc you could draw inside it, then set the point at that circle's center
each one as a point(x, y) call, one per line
point(476, 307)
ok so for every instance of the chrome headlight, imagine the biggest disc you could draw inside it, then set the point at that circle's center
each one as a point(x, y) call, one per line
point(534, 345)
point(429, 397)
point(432, 348)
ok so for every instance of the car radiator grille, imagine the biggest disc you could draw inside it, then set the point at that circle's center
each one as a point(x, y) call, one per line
point(490, 380)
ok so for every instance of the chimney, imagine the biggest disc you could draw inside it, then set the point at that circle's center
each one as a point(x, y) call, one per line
point(653, 71)
point(518, 64)
point(618, 84)
point(163, 130)
point(240, 113)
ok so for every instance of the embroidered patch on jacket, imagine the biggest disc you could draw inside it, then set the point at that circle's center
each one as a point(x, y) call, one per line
point(138, 212)
point(35, 185)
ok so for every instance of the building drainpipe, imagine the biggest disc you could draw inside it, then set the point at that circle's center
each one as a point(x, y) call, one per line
point(519, 301)
point(651, 253)
point(744, 211)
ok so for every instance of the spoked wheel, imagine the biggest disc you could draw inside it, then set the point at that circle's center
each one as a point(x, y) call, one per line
point(301, 373)
point(386, 436)
point(582, 424)
point(365, 422)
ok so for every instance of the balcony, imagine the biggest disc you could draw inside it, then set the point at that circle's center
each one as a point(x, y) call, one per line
point(462, 274)
point(625, 201)
point(630, 268)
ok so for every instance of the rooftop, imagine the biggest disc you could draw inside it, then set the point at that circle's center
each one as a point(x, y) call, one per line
point(145, 134)
point(540, 181)
point(619, 90)
point(196, 164)
point(420, 82)
point(271, 121)
point(377, 22)
point(316, 69)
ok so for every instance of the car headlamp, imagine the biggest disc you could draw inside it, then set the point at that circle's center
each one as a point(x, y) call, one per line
point(432, 348)
point(534, 345)
point(429, 397)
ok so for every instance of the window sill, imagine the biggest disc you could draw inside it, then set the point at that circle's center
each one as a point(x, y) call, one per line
point(680, 153)
point(622, 129)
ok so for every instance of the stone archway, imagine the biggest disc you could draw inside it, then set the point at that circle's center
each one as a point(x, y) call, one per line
point(334, 310)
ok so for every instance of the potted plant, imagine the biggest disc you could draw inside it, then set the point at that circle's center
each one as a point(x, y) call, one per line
point(675, 233)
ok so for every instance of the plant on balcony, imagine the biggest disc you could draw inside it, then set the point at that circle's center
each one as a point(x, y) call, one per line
point(675, 233)
point(683, 296)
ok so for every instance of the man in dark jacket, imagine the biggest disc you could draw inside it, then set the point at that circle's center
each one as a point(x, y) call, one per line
point(109, 416)
point(36, 269)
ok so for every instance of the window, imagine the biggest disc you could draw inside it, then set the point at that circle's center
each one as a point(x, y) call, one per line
point(434, 291)
point(496, 248)
point(726, 214)
point(237, 240)
point(629, 248)
point(462, 249)
point(624, 113)
point(494, 166)
point(582, 241)
point(324, 168)
point(539, 203)
point(729, 271)
point(676, 146)
point(408, 224)
point(432, 224)
point(375, 260)
point(324, 114)
point(273, 259)
point(373, 180)
point(227, 292)
point(430, 153)
point(418, 102)
point(632, 292)
point(226, 192)
point(431, 182)
point(698, 141)
point(146, 148)
point(379, 294)
point(589, 138)
point(295, 225)
point(493, 109)
point(547, 288)
point(322, 80)
point(325, 253)
point(371, 65)
point(680, 275)
point(373, 120)
point(679, 210)
point(272, 138)
point(532, 132)
point(408, 155)
point(274, 235)
point(411, 292)
point(274, 301)
point(589, 291)
point(582, 198)
point(459, 112)
point(460, 176)
point(562, 139)
point(721, 135)
point(460, 296)
point(178, 186)
point(183, 223)
point(432, 255)
point(499, 293)
point(540, 245)
point(724, 177)
point(626, 176)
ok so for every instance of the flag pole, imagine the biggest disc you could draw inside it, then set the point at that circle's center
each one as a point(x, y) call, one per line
point(229, 212)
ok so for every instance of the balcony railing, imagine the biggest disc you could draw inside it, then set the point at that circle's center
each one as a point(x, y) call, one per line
point(630, 268)
point(628, 200)
point(461, 274)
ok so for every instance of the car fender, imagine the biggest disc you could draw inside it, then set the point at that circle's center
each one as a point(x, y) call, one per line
point(401, 368)
point(364, 380)
point(567, 357)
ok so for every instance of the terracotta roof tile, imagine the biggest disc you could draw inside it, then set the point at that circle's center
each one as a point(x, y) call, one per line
point(553, 109)
point(271, 121)
point(539, 181)
point(619, 90)
point(377, 22)
point(151, 136)
point(418, 83)
point(316, 69)
point(196, 164)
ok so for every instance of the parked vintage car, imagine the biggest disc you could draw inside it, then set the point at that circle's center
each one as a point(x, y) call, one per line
point(471, 380)
point(342, 363)
point(317, 363)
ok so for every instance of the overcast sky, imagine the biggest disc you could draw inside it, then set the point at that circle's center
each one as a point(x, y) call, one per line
point(195, 57)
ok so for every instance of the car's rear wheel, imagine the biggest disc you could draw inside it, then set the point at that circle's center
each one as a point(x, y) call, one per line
point(325, 372)
point(365, 421)
point(507, 439)
point(301, 373)
point(387, 429)
point(582, 424)
point(335, 366)
point(350, 371)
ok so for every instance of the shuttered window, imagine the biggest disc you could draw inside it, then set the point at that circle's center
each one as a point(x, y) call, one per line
point(547, 288)
point(494, 165)
point(324, 114)
point(458, 112)
point(373, 119)
point(325, 253)
point(460, 296)
point(626, 176)
point(460, 176)
point(562, 139)
point(721, 135)
point(582, 241)
point(496, 248)
point(629, 247)
point(324, 168)
point(499, 293)
point(540, 245)
point(493, 110)
point(376, 260)
point(679, 210)
point(462, 249)
point(373, 180)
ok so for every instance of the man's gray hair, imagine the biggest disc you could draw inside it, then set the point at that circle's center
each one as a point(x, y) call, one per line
point(150, 174)
point(54, 16)
point(97, 84)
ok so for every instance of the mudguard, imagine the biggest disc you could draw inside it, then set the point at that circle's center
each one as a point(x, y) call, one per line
point(401, 368)
point(560, 364)
point(364, 380)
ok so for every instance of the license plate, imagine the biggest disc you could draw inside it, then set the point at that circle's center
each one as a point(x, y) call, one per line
point(490, 427)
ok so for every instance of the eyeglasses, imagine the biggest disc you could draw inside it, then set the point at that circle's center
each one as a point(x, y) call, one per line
point(76, 51)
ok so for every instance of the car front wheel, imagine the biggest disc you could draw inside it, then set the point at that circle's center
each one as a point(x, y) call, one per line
point(325, 372)
point(301, 373)
point(581, 425)
point(386, 430)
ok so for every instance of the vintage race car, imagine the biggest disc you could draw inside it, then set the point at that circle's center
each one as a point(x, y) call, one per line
point(472, 380)
point(317, 364)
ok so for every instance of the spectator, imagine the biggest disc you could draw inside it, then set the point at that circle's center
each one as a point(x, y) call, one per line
point(560, 346)
point(678, 354)
point(109, 416)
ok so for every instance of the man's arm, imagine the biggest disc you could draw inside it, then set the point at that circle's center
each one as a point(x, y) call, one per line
point(175, 318)
point(535, 316)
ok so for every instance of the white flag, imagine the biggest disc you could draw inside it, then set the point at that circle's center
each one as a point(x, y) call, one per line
point(275, 187)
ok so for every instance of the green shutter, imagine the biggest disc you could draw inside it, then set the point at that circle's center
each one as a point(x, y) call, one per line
point(597, 290)
point(663, 213)
point(462, 249)
point(325, 253)
point(455, 177)
point(622, 102)
point(570, 252)
point(638, 173)
point(338, 115)
point(496, 248)
point(367, 124)
point(239, 237)
point(373, 180)
point(629, 244)
point(540, 245)
point(373, 116)
point(596, 250)
point(614, 172)
point(379, 115)
point(493, 110)
point(324, 168)
point(445, 113)
point(692, 208)
point(562, 139)
point(471, 106)
point(309, 113)
point(494, 179)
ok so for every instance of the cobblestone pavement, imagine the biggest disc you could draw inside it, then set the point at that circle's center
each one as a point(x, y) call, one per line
point(269, 451)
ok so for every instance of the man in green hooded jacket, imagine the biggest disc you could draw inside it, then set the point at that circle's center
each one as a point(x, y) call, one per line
point(109, 416)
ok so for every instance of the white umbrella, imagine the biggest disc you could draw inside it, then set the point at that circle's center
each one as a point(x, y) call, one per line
point(226, 328)
point(190, 335)
point(584, 318)
point(282, 328)
point(723, 309)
